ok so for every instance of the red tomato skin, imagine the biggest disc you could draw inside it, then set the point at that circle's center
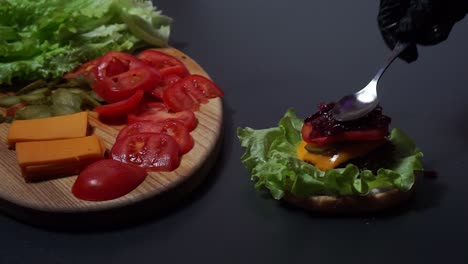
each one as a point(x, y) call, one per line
point(172, 127)
point(353, 135)
point(167, 81)
point(306, 132)
point(87, 71)
point(114, 63)
point(163, 62)
point(121, 107)
point(152, 151)
point(177, 130)
point(106, 180)
point(208, 87)
point(187, 117)
point(179, 70)
point(171, 69)
point(190, 92)
point(124, 85)
point(158, 112)
point(177, 99)
point(146, 108)
point(110, 64)
point(140, 127)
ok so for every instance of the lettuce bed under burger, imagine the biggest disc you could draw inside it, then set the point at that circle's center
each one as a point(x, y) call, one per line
point(271, 157)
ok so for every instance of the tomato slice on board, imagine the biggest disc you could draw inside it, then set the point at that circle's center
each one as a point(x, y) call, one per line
point(172, 127)
point(139, 127)
point(208, 87)
point(187, 117)
point(145, 110)
point(167, 81)
point(190, 92)
point(110, 64)
point(121, 86)
point(158, 112)
point(171, 69)
point(107, 179)
point(113, 63)
point(121, 107)
point(87, 71)
point(165, 63)
point(176, 129)
point(353, 135)
point(153, 151)
point(179, 70)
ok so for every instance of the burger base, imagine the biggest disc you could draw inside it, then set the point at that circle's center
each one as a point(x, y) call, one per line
point(351, 204)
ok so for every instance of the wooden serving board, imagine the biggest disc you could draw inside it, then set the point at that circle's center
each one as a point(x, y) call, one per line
point(54, 196)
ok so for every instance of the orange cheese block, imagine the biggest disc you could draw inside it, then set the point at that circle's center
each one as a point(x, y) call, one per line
point(50, 128)
point(43, 160)
point(329, 161)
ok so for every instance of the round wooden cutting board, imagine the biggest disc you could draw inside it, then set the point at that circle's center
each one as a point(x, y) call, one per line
point(54, 196)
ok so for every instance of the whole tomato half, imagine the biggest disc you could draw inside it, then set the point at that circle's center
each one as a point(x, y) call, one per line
point(107, 179)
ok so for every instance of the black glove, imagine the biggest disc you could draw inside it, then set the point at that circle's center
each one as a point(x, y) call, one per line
point(425, 22)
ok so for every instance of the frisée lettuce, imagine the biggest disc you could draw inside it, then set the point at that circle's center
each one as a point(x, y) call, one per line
point(271, 159)
point(44, 39)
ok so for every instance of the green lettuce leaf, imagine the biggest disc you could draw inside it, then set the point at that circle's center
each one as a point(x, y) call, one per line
point(270, 157)
point(43, 39)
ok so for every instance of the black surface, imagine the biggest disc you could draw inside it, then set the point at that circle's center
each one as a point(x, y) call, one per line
point(269, 56)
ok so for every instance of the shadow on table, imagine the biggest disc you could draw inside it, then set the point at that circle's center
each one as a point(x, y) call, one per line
point(146, 211)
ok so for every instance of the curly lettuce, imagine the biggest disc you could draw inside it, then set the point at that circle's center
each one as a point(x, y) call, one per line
point(43, 39)
point(270, 157)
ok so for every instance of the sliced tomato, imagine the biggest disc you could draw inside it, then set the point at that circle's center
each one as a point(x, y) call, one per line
point(165, 63)
point(113, 66)
point(153, 151)
point(190, 92)
point(121, 107)
point(176, 129)
point(172, 127)
point(107, 179)
point(208, 87)
point(145, 110)
point(121, 86)
point(167, 81)
point(177, 99)
point(114, 63)
point(187, 117)
point(179, 70)
point(158, 112)
point(354, 135)
point(87, 71)
point(140, 127)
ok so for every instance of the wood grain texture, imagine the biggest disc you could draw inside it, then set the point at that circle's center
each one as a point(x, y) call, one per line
point(55, 196)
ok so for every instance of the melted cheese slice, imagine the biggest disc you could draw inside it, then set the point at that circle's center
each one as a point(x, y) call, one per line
point(329, 161)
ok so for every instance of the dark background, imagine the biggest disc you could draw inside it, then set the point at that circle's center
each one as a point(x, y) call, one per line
point(268, 56)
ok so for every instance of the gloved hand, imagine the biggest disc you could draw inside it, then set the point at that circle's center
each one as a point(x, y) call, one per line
point(424, 22)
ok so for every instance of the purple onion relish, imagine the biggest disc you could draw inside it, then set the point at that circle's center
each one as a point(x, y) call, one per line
point(324, 124)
